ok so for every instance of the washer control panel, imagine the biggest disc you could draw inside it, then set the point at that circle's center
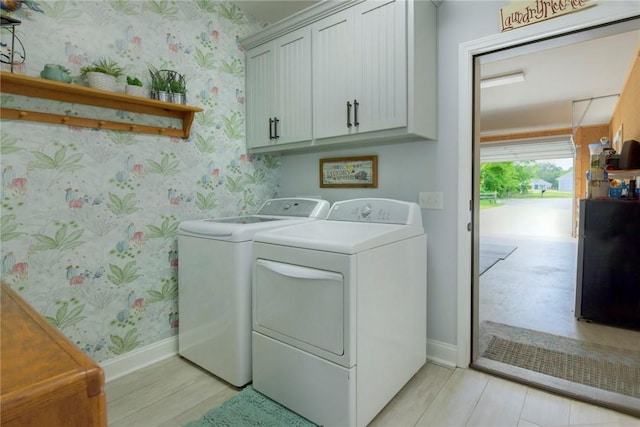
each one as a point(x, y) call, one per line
point(386, 211)
point(299, 207)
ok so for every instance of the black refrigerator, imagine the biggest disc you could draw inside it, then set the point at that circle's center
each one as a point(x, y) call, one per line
point(608, 277)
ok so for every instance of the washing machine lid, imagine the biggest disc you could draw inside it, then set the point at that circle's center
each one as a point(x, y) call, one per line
point(274, 213)
point(353, 226)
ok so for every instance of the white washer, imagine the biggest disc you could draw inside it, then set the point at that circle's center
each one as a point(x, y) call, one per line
point(339, 310)
point(214, 282)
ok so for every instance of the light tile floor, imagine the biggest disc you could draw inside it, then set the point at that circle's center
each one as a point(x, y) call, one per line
point(174, 392)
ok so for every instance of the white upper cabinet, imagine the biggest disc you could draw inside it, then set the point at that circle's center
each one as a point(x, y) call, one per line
point(333, 74)
point(360, 64)
point(278, 80)
point(345, 72)
point(260, 90)
point(293, 83)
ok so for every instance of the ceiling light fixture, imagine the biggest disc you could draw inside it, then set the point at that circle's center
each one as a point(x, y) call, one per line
point(502, 80)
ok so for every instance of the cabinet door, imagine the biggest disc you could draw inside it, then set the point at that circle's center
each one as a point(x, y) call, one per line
point(260, 82)
point(381, 64)
point(333, 63)
point(293, 86)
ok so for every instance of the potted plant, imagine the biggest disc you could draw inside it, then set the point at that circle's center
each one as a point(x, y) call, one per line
point(102, 74)
point(178, 88)
point(160, 84)
point(134, 86)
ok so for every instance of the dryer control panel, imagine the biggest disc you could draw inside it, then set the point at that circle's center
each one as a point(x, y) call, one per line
point(386, 211)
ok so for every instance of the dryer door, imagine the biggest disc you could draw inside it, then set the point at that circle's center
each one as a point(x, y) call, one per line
point(300, 305)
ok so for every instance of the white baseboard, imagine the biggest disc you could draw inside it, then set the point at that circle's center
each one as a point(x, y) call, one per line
point(441, 353)
point(438, 352)
point(139, 358)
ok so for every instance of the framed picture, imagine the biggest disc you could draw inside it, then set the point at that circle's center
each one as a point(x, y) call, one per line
point(349, 172)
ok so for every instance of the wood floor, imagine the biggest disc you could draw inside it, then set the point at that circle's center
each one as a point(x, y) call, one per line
point(174, 392)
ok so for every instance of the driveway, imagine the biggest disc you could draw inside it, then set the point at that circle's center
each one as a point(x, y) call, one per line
point(550, 217)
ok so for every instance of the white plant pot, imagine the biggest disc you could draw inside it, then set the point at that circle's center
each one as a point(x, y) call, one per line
point(135, 91)
point(162, 96)
point(177, 98)
point(101, 81)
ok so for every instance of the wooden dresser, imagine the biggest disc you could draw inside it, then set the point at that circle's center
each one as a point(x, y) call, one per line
point(45, 380)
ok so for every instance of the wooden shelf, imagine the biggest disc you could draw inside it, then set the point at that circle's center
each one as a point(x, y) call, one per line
point(48, 89)
point(623, 173)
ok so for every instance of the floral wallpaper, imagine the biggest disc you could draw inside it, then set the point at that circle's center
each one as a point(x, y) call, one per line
point(89, 217)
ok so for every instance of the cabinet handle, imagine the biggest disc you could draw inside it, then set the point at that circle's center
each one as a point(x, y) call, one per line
point(275, 128)
point(348, 114)
point(270, 128)
point(355, 112)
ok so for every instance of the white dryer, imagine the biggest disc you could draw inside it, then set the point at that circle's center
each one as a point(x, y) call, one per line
point(214, 284)
point(339, 310)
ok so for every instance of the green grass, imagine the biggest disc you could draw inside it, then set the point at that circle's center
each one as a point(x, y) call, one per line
point(488, 204)
point(554, 194)
point(535, 194)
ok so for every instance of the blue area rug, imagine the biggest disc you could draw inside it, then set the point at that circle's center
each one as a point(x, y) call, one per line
point(250, 408)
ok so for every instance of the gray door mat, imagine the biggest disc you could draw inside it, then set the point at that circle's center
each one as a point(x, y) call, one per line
point(603, 367)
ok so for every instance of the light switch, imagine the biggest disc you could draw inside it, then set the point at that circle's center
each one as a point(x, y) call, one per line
point(430, 200)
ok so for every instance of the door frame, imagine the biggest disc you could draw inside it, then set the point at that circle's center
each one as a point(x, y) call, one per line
point(468, 138)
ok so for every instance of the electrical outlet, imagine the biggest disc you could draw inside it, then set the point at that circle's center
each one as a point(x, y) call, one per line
point(430, 200)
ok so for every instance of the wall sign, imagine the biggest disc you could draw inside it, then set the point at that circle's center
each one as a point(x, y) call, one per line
point(349, 172)
point(521, 13)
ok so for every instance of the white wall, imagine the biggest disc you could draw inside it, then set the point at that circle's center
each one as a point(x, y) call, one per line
point(407, 168)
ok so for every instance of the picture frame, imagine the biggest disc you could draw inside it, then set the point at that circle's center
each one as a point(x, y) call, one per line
point(349, 172)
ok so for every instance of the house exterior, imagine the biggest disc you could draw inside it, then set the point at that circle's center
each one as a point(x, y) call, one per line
point(538, 184)
point(89, 217)
point(565, 182)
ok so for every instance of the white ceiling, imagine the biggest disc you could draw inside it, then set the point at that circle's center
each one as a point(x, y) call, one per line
point(557, 75)
point(556, 81)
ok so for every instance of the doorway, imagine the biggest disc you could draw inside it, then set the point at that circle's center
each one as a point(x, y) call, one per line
point(516, 270)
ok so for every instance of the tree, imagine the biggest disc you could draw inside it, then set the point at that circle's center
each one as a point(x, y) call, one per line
point(550, 173)
point(524, 171)
point(506, 177)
